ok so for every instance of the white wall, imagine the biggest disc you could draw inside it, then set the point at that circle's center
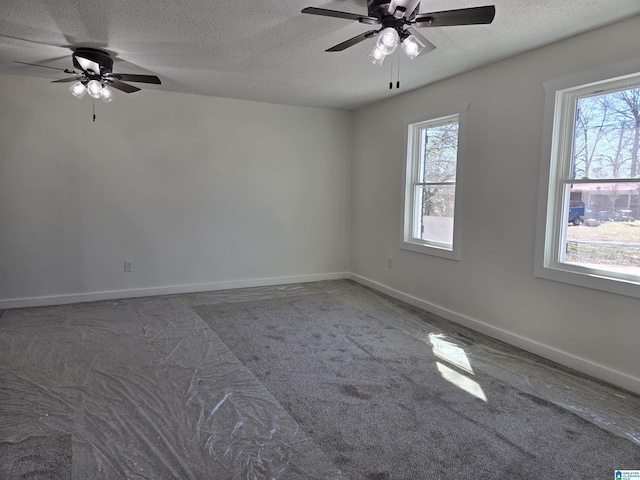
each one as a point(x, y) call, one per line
point(198, 192)
point(492, 287)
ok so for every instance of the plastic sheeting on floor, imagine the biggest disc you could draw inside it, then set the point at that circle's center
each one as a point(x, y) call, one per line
point(148, 391)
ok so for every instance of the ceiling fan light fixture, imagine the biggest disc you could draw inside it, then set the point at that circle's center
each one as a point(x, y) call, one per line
point(377, 55)
point(412, 46)
point(106, 94)
point(94, 87)
point(78, 90)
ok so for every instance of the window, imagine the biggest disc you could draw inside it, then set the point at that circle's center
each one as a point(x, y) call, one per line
point(591, 217)
point(432, 184)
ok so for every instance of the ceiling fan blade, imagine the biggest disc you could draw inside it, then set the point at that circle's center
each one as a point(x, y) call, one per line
point(462, 16)
point(65, 70)
point(130, 77)
point(428, 46)
point(352, 41)
point(334, 13)
point(66, 80)
point(124, 87)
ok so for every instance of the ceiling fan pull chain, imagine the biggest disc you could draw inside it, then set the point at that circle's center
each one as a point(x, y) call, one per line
point(93, 101)
point(391, 77)
point(398, 82)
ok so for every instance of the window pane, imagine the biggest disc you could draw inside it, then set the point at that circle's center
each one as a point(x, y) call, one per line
point(434, 213)
point(607, 232)
point(430, 189)
point(438, 153)
point(606, 137)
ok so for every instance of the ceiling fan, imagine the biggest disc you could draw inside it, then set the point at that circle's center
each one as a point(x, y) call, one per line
point(96, 75)
point(397, 19)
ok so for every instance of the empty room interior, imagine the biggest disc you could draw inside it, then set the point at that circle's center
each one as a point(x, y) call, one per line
point(319, 240)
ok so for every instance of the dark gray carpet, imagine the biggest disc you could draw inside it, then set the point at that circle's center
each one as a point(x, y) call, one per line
point(36, 458)
point(375, 402)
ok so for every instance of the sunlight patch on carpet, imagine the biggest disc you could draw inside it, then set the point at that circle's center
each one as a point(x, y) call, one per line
point(462, 382)
point(450, 352)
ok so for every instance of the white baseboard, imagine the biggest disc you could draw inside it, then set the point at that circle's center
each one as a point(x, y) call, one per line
point(585, 366)
point(167, 290)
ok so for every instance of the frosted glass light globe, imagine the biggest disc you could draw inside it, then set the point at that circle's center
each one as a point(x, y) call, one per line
point(78, 90)
point(388, 40)
point(94, 87)
point(377, 55)
point(389, 37)
point(106, 94)
point(411, 49)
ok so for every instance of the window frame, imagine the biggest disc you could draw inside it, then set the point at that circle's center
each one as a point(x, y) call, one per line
point(411, 145)
point(558, 127)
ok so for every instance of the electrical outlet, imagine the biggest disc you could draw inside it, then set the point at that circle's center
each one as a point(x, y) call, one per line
point(128, 266)
point(390, 262)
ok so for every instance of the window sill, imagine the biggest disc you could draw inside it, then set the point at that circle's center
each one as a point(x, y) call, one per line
point(433, 250)
point(594, 280)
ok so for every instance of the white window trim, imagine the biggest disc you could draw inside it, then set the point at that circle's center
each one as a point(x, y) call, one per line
point(407, 220)
point(554, 140)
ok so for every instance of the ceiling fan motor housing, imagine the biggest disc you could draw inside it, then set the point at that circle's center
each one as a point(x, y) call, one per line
point(399, 8)
point(87, 58)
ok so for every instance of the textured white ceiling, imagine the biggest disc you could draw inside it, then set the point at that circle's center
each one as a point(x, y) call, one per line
point(268, 51)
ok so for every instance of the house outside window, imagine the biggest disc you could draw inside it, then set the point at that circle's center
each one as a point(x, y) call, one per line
point(589, 218)
point(432, 184)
